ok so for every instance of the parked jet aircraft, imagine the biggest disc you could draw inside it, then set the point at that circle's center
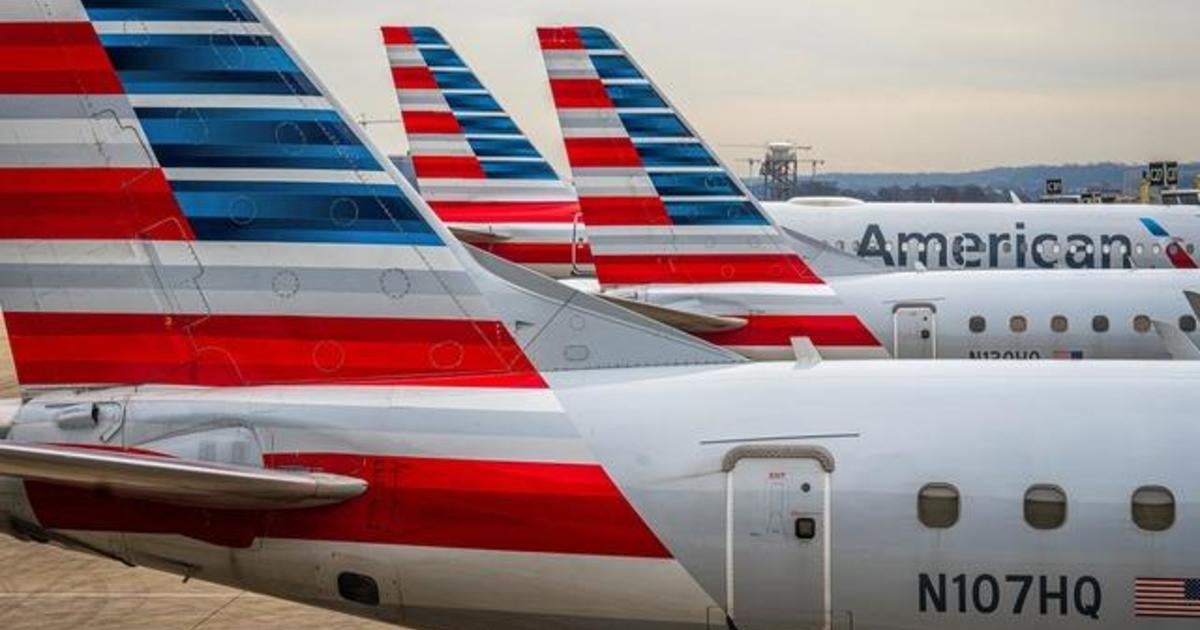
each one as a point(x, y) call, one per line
point(483, 176)
point(232, 377)
point(673, 228)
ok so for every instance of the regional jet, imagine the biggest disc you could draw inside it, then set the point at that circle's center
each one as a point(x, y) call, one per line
point(231, 377)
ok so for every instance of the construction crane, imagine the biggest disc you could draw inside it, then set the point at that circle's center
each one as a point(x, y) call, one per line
point(814, 164)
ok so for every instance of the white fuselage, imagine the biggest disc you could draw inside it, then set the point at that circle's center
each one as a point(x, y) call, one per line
point(1014, 315)
point(719, 463)
point(999, 236)
point(1005, 314)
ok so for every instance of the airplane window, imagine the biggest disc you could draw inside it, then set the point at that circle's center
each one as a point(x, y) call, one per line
point(1045, 506)
point(1059, 323)
point(1100, 324)
point(1191, 248)
point(977, 324)
point(1107, 249)
point(1187, 323)
point(1157, 249)
point(358, 588)
point(1153, 508)
point(1091, 249)
point(1057, 248)
point(938, 505)
point(1018, 323)
point(1007, 248)
point(842, 245)
point(1138, 249)
point(1141, 324)
point(887, 245)
point(856, 245)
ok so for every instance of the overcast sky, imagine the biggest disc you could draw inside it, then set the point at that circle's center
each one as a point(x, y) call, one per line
point(907, 85)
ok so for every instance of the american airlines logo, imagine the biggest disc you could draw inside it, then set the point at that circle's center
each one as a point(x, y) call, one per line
point(971, 250)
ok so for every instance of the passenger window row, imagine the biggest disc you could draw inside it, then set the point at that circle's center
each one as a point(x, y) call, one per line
point(1151, 508)
point(1060, 324)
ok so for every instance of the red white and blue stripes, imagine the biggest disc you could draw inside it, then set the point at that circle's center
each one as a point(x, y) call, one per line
point(659, 206)
point(666, 219)
point(182, 204)
point(256, 239)
point(474, 165)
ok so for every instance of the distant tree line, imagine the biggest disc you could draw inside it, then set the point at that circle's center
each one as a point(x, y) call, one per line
point(915, 192)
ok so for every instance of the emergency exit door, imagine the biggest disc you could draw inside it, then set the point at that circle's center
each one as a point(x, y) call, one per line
point(778, 573)
point(915, 332)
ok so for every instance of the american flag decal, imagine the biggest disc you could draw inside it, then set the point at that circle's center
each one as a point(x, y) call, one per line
point(1166, 597)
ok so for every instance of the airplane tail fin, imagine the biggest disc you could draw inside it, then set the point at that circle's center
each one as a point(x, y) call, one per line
point(182, 202)
point(473, 164)
point(660, 207)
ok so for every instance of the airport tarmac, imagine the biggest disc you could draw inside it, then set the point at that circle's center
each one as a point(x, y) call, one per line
point(48, 588)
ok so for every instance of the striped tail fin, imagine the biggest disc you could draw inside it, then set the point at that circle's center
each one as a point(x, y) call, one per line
point(183, 203)
point(669, 222)
point(474, 165)
point(180, 203)
point(659, 205)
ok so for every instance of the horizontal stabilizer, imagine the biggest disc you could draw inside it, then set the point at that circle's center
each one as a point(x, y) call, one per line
point(687, 321)
point(1180, 347)
point(1193, 299)
point(828, 261)
point(468, 235)
point(175, 481)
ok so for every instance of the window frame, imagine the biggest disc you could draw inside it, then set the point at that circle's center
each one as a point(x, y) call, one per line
point(1025, 505)
point(922, 507)
point(1066, 324)
point(1101, 329)
point(1133, 508)
point(1013, 327)
point(977, 319)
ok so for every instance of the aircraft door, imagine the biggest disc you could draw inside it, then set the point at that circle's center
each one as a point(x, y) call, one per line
point(778, 555)
point(915, 332)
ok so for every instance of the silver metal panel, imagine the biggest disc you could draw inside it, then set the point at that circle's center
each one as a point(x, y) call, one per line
point(777, 578)
point(914, 332)
point(176, 481)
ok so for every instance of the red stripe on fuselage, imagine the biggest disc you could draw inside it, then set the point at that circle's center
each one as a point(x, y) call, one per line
point(702, 269)
point(483, 211)
point(54, 58)
point(778, 330)
point(452, 503)
point(540, 253)
point(447, 167)
point(1179, 257)
point(229, 350)
point(88, 203)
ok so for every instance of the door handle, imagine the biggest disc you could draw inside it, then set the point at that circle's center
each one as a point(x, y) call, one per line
point(806, 528)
